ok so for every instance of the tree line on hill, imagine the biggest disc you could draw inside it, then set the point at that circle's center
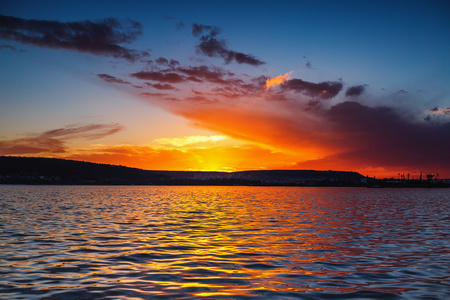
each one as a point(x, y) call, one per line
point(34, 170)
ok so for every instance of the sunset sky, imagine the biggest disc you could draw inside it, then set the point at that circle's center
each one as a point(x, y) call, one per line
point(229, 85)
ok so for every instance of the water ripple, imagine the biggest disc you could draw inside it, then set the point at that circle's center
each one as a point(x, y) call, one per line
point(61, 242)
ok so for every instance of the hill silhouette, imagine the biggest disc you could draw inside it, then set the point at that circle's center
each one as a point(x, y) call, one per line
point(33, 170)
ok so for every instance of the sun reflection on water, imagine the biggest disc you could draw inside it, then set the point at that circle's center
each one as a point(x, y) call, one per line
point(222, 241)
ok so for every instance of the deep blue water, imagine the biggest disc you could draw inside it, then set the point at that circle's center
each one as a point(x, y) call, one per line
point(86, 242)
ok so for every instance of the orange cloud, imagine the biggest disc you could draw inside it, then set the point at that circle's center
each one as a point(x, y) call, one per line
point(55, 141)
point(345, 136)
point(277, 80)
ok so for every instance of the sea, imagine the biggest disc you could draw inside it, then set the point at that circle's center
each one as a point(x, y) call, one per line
point(208, 242)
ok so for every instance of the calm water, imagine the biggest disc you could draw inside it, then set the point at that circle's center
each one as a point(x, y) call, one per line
point(82, 242)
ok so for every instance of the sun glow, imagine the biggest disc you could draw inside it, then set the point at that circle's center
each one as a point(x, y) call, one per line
point(190, 140)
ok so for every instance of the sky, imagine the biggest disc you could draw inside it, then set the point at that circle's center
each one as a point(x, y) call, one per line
point(229, 85)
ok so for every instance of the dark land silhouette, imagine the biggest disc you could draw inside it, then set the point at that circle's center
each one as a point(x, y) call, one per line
point(34, 170)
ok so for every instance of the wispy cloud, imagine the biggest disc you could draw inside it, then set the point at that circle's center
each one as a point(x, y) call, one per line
point(159, 76)
point(54, 141)
point(101, 37)
point(112, 79)
point(211, 46)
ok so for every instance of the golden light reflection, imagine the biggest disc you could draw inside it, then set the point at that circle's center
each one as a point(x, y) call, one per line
point(212, 241)
point(214, 244)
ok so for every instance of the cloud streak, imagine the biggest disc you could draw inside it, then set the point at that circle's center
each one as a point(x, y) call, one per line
point(54, 141)
point(169, 77)
point(112, 79)
point(101, 37)
point(210, 45)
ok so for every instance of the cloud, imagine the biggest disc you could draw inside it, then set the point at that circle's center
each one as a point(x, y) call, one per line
point(438, 115)
point(347, 135)
point(197, 74)
point(356, 90)
point(443, 111)
point(204, 73)
point(54, 141)
point(165, 62)
point(112, 79)
point(212, 47)
point(277, 80)
point(381, 137)
point(198, 29)
point(90, 132)
point(160, 76)
point(324, 90)
point(32, 146)
point(161, 86)
point(100, 37)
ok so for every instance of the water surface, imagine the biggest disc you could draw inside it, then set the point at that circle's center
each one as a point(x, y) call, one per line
point(84, 242)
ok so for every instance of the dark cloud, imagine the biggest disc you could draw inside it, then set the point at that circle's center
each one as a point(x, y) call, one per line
point(198, 29)
point(53, 141)
point(356, 90)
point(100, 37)
point(197, 74)
point(168, 63)
point(204, 73)
point(380, 137)
point(260, 80)
point(308, 65)
point(160, 76)
point(162, 61)
point(112, 79)
point(162, 86)
point(324, 90)
point(212, 47)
